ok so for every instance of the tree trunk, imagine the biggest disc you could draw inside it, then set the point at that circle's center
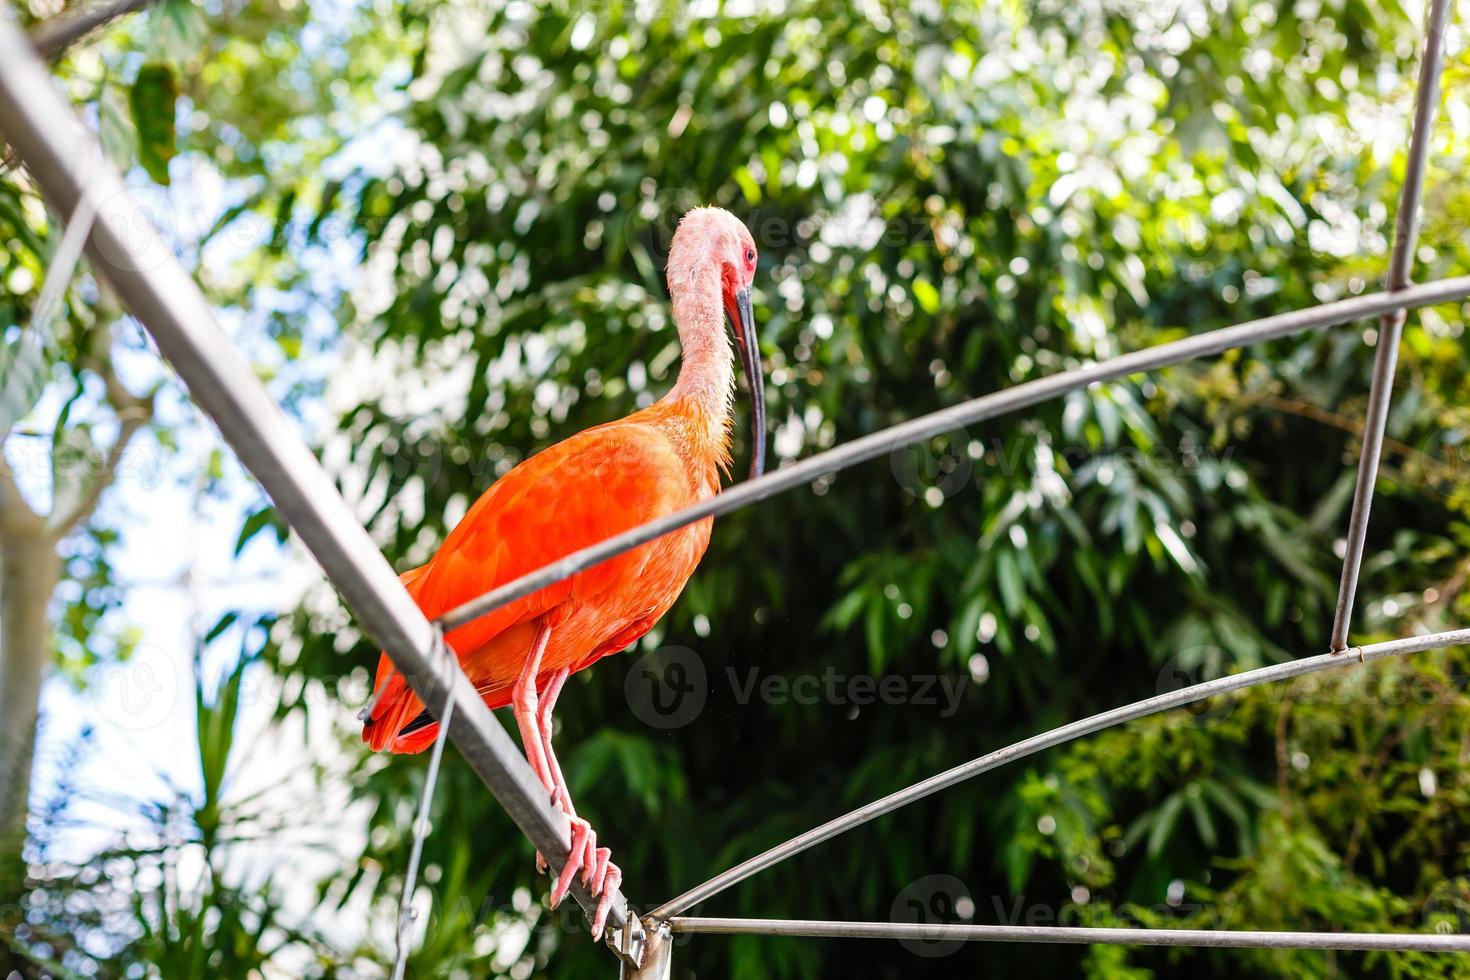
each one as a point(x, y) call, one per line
point(29, 567)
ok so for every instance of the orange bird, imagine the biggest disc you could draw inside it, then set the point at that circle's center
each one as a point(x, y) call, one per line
point(592, 486)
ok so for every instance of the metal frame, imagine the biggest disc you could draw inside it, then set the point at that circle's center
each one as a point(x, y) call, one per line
point(989, 406)
point(1049, 739)
point(65, 160)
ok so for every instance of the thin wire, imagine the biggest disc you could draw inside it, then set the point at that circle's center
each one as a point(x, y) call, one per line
point(24, 370)
point(1049, 739)
point(367, 710)
point(1391, 325)
point(1084, 935)
point(406, 914)
point(68, 254)
point(946, 420)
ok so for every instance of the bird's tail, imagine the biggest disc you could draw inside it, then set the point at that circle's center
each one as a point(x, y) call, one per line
point(394, 704)
point(397, 721)
point(392, 723)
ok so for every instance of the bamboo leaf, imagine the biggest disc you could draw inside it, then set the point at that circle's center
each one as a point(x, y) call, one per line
point(153, 100)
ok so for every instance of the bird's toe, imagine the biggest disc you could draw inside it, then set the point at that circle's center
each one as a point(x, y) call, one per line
point(575, 854)
point(596, 879)
point(612, 877)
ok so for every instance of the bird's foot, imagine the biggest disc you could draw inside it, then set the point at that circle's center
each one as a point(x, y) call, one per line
point(598, 874)
point(562, 800)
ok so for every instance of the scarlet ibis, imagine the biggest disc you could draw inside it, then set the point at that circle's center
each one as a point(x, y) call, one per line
point(592, 486)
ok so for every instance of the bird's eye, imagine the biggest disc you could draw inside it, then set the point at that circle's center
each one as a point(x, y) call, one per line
point(750, 255)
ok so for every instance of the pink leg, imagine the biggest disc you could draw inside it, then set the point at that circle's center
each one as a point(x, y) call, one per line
point(599, 874)
point(525, 708)
point(560, 795)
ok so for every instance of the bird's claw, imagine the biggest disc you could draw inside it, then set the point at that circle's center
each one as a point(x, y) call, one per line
point(609, 877)
point(596, 873)
point(599, 875)
point(576, 858)
point(589, 858)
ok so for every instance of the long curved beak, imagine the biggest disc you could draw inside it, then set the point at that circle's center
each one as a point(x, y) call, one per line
point(742, 324)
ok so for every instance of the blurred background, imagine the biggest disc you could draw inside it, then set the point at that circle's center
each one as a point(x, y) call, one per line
point(437, 230)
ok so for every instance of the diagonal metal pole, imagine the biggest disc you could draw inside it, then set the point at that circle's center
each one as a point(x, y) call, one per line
point(1398, 942)
point(58, 152)
point(1391, 325)
point(1050, 739)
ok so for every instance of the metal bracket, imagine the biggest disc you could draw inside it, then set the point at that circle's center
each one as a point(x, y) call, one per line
point(630, 942)
point(655, 946)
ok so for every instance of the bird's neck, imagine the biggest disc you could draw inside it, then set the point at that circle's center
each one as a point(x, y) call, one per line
point(706, 382)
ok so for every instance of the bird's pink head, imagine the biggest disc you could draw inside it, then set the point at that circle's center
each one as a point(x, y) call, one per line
point(712, 242)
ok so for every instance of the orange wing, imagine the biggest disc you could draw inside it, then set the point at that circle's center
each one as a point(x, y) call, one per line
point(596, 484)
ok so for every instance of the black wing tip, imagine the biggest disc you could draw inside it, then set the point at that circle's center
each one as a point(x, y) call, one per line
point(424, 720)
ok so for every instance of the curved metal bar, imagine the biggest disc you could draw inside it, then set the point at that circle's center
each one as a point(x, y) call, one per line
point(1046, 740)
point(946, 420)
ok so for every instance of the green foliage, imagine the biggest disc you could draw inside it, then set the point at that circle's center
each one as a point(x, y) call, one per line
point(152, 98)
